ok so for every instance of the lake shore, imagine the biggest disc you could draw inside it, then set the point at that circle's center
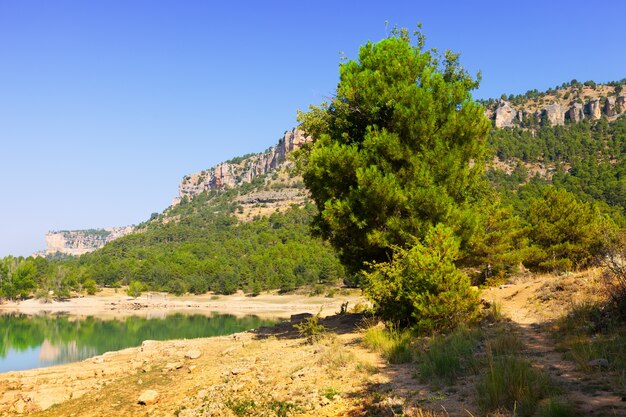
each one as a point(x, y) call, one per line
point(113, 304)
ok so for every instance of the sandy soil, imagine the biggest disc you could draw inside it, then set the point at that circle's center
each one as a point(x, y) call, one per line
point(275, 371)
point(109, 304)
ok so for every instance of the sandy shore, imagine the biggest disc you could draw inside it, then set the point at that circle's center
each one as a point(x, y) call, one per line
point(109, 303)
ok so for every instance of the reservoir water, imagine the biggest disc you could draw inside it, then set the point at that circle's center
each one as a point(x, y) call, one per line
point(43, 340)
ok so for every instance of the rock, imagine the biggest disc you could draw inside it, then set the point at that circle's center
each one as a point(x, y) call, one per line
point(148, 397)
point(239, 371)
point(621, 104)
point(593, 109)
point(232, 173)
point(505, 114)
point(298, 318)
point(19, 406)
point(230, 350)
point(598, 363)
point(78, 242)
point(555, 114)
point(576, 113)
point(202, 394)
point(609, 106)
point(191, 368)
point(170, 366)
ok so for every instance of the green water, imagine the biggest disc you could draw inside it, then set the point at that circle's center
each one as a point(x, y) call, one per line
point(36, 341)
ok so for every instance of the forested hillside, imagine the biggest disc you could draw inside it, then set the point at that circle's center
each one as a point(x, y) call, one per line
point(222, 241)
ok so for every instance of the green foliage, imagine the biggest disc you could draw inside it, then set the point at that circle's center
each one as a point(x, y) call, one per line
point(422, 285)
point(392, 343)
point(311, 328)
point(512, 383)
point(134, 289)
point(90, 286)
point(448, 357)
point(564, 232)
point(559, 408)
point(399, 149)
point(17, 277)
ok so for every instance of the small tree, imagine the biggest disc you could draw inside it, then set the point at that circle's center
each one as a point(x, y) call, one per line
point(134, 289)
point(422, 284)
point(565, 233)
point(398, 150)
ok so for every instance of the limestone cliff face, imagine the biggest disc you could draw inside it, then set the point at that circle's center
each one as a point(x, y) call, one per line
point(241, 170)
point(78, 242)
point(574, 104)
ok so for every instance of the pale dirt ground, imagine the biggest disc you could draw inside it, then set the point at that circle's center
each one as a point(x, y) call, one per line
point(110, 303)
point(262, 372)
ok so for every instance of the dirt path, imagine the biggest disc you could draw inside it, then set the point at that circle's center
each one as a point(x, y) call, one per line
point(534, 306)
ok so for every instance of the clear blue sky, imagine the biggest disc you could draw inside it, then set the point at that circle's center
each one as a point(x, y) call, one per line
point(105, 105)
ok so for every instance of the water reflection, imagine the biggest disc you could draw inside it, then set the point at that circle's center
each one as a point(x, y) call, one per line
point(44, 340)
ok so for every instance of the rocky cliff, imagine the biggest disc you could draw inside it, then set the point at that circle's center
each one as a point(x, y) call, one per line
point(78, 242)
point(571, 104)
point(241, 170)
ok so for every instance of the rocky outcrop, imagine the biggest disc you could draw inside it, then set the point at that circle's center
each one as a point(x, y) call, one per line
point(593, 109)
point(609, 107)
point(241, 170)
point(555, 114)
point(621, 104)
point(576, 113)
point(505, 114)
point(79, 242)
point(573, 104)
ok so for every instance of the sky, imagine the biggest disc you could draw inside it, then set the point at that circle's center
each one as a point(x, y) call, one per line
point(106, 105)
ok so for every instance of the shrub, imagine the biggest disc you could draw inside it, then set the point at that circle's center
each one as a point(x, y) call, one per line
point(90, 286)
point(134, 289)
point(422, 285)
point(311, 328)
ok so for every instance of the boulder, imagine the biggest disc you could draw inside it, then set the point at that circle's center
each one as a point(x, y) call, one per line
point(193, 354)
point(148, 397)
point(505, 114)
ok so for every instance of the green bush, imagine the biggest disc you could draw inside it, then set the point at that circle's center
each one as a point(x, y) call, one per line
point(311, 328)
point(134, 289)
point(422, 286)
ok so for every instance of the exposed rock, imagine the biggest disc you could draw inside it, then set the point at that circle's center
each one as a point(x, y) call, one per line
point(78, 242)
point(576, 113)
point(241, 170)
point(621, 104)
point(148, 397)
point(555, 114)
point(193, 354)
point(239, 371)
point(593, 109)
point(505, 114)
point(609, 106)
point(170, 366)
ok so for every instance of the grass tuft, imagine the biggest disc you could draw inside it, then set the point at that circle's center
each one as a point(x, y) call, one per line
point(512, 383)
point(393, 344)
point(557, 408)
point(448, 357)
